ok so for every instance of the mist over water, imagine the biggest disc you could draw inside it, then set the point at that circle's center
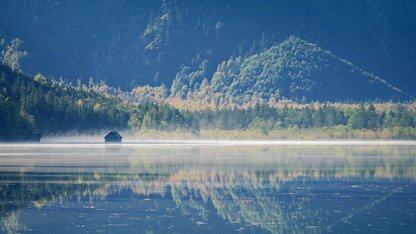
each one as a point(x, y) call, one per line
point(207, 186)
point(130, 138)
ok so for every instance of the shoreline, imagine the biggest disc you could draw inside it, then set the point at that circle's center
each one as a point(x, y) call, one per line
point(185, 142)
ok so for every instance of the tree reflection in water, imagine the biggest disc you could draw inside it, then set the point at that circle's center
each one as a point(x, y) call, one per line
point(271, 189)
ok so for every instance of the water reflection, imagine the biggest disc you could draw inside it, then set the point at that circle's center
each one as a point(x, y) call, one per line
point(204, 188)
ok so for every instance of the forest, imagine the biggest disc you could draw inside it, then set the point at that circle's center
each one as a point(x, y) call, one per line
point(38, 104)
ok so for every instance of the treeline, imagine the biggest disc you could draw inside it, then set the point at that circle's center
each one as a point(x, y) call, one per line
point(265, 118)
point(162, 117)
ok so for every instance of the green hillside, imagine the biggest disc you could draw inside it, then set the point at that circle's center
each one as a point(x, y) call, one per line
point(293, 69)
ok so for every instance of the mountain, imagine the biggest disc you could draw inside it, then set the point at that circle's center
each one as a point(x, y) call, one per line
point(129, 42)
point(293, 69)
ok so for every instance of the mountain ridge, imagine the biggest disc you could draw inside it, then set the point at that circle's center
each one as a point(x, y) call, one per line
point(294, 69)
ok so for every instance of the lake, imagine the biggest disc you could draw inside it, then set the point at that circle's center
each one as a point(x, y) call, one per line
point(205, 187)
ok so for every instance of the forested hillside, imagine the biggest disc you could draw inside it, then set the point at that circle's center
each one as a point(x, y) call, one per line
point(128, 42)
point(37, 104)
point(293, 70)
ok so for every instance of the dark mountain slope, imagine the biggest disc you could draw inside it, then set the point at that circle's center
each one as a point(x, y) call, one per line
point(147, 41)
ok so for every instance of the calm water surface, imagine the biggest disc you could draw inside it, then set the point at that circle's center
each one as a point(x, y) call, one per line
point(139, 188)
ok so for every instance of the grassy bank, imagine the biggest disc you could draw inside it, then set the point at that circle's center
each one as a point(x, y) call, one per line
point(337, 132)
